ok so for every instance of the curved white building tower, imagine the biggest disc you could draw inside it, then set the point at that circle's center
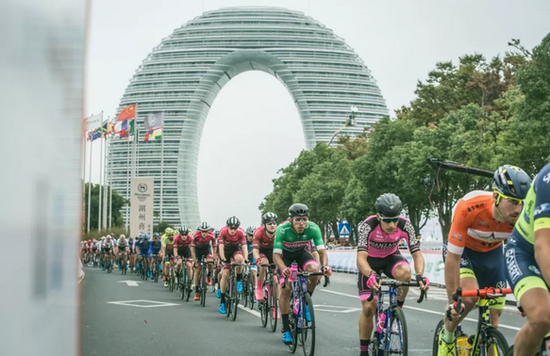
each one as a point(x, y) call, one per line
point(184, 73)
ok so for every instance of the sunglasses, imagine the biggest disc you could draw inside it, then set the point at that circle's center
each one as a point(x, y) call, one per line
point(513, 201)
point(300, 220)
point(389, 220)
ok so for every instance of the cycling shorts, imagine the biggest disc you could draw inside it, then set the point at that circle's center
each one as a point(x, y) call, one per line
point(486, 267)
point(522, 270)
point(184, 252)
point(230, 253)
point(302, 257)
point(386, 265)
point(204, 251)
point(267, 253)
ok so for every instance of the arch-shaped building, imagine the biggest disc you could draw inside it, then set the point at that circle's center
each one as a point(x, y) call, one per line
point(183, 75)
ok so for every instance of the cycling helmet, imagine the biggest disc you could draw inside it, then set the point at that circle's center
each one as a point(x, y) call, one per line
point(184, 230)
point(388, 205)
point(156, 234)
point(146, 236)
point(511, 181)
point(122, 236)
point(250, 230)
point(169, 231)
point(217, 233)
point(94, 240)
point(298, 210)
point(269, 216)
point(204, 226)
point(233, 222)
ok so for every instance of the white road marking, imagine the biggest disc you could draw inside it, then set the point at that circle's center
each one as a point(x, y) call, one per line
point(334, 308)
point(253, 312)
point(130, 283)
point(151, 303)
point(509, 327)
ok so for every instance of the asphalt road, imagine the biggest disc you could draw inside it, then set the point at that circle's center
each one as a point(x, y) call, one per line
point(144, 318)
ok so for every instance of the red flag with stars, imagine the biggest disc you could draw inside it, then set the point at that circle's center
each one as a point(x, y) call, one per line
point(127, 113)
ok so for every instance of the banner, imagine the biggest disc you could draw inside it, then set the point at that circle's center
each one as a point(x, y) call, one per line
point(142, 193)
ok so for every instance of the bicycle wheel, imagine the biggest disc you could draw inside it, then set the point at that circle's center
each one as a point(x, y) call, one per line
point(204, 286)
point(273, 306)
point(245, 291)
point(184, 279)
point(229, 297)
point(398, 337)
point(308, 331)
point(187, 287)
point(263, 306)
point(251, 293)
point(236, 298)
point(495, 341)
point(510, 351)
point(375, 343)
point(293, 331)
point(438, 329)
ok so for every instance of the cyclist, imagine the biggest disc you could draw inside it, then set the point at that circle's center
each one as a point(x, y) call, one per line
point(107, 248)
point(474, 256)
point(200, 247)
point(154, 254)
point(182, 251)
point(143, 250)
point(218, 270)
point(249, 240)
point(262, 247)
point(377, 251)
point(290, 244)
point(131, 252)
point(168, 252)
point(232, 247)
point(528, 266)
point(122, 250)
point(94, 247)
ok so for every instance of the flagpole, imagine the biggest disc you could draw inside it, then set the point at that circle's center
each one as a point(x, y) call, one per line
point(161, 171)
point(90, 185)
point(110, 188)
point(100, 184)
point(105, 164)
point(137, 152)
point(127, 212)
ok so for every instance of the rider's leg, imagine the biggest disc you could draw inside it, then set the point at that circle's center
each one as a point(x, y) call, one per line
point(536, 306)
point(402, 272)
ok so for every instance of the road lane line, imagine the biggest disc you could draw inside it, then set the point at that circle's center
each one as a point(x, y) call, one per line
point(509, 327)
point(253, 312)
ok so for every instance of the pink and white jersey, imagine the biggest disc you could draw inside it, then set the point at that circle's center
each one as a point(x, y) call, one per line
point(239, 239)
point(379, 244)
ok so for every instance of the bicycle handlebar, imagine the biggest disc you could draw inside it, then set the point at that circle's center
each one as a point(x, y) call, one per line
point(395, 284)
point(488, 292)
point(306, 275)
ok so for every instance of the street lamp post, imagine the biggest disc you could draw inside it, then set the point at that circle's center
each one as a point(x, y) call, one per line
point(350, 121)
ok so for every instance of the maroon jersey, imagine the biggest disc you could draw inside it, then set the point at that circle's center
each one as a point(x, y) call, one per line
point(238, 239)
point(261, 239)
point(199, 241)
point(182, 242)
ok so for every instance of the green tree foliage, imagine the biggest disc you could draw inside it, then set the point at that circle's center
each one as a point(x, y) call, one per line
point(118, 203)
point(160, 227)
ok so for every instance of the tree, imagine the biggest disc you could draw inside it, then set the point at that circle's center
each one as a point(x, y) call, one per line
point(116, 215)
point(161, 227)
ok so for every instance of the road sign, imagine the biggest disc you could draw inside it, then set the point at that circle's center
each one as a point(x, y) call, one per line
point(344, 229)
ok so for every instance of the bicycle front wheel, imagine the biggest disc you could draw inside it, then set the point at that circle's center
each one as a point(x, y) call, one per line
point(495, 342)
point(308, 332)
point(235, 300)
point(437, 331)
point(273, 306)
point(184, 278)
point(397, 337)
point(203, 287)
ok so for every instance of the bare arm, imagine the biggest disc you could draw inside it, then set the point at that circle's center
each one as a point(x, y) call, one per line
point(542, 251)
point(418, 259)
point(452, 274)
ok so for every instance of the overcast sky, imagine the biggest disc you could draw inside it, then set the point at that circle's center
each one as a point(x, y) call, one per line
point(253, 117)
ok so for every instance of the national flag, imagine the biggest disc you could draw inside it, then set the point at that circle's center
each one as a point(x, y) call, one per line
point(104, 129)
point(129, 112)
point(124, 129)
point(153, 124)
point(94, 135)
point(94, 121)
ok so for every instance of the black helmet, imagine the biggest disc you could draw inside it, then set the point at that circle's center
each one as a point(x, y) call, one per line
point(511, 181)
point(269, 216)
point(204, 227)
point(217, 233)
point(298, 210)
point(233, 222)
point(388, 205)
point(184, 230)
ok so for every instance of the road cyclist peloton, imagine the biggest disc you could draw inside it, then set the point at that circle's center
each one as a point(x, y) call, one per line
point(155, 247)
point(290, 245)
point(218, 265)
point(262, 248)
point(474, 256)
point(231, 247)
point(201, 246)
point(377, 251)
point(528, 265)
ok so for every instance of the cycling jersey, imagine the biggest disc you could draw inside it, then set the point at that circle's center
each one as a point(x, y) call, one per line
point(474, 226)
point(182, 242)
point(523, 272)
point(379, 244)
point(199, 242)
point(261, 239)
point(144, 247)
point(154, 247)
point(288, 240)
point(168, 244)
point(239, 239)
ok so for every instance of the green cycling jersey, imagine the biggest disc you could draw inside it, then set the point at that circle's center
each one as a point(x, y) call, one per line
point(287, 239)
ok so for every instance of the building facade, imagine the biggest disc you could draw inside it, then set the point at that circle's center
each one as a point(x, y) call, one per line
point(184, 73)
